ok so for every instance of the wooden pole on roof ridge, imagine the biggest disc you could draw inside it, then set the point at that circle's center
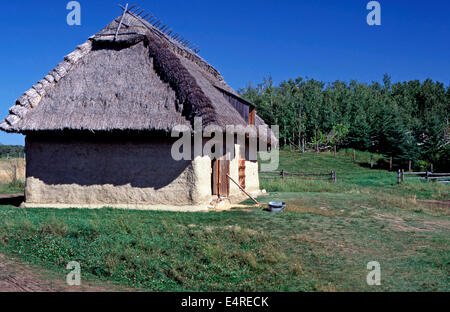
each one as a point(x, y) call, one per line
point(121, 21)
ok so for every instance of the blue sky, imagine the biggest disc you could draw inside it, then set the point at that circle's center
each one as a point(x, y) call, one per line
point(245, 40)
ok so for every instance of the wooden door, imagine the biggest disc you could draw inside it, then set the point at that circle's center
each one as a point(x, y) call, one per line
point(220, 181)
point(242, 173)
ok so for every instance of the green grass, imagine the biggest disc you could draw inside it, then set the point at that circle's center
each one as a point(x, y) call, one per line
point(353, 177)
point(156, 250)
point(12, 188)
point(322, 242)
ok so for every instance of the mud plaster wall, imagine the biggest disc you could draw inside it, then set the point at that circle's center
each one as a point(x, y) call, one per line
point(106, 172)
point(251, 173)
point(251, 176)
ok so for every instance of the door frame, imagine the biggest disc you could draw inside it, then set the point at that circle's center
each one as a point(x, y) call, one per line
point(220, 181)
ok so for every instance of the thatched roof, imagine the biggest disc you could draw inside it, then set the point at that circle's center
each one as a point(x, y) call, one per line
point(140, 80)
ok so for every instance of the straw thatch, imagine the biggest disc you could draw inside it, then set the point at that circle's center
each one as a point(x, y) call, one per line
point(139, 80)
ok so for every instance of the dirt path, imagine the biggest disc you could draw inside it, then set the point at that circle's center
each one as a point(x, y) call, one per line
point(436, 202)
point(18, 277)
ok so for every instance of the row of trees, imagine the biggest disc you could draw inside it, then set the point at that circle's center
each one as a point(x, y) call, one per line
point(404, 120)
point(12, 151)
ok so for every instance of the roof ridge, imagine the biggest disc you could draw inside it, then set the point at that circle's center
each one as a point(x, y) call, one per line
point(132, 33)
point(177, 47)
point(158, 25)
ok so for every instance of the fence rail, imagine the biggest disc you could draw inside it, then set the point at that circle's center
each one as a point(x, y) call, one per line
point(427, 176)
point(332, 176)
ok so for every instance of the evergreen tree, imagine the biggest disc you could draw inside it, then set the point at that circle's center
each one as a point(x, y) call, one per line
point(359, 134)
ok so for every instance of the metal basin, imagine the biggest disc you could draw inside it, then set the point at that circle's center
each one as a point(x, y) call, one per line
point(277, 206)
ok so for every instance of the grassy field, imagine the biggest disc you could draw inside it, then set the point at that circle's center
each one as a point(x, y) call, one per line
point(322, 242)
point(11, 188)
point(7, 175)
point(353, 177)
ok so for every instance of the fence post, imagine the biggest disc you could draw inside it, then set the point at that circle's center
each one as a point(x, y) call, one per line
point(15, 174)
point(282, 174)
point(399, 176)
point(410, 166)
point(428, 176)
point(354, 155)
point(403, 175)
point(371, 161)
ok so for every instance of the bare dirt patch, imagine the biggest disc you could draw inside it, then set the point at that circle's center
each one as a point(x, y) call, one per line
point(436, 202)
point(18, 277)
point(399, 224)
point(436, 205)
point(438, 224)
point(299, 206)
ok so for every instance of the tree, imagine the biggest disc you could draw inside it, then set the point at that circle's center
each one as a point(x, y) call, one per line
point(338, 134)
point(405, 120)
point(359, 134)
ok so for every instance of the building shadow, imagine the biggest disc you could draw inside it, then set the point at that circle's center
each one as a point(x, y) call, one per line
point(143, 164)
point(12, 200)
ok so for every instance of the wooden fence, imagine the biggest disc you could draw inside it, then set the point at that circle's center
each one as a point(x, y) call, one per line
point(11, 171)
point(427, 176)
point(332, 176)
